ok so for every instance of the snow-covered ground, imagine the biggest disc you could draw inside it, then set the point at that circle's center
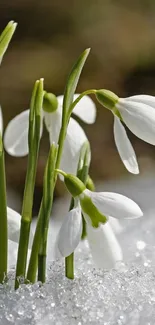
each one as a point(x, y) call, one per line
point(122, 296)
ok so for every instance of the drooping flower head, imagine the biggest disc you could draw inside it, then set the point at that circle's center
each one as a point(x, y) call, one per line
point(96, 207)
point(138, 114)
point(16, 134)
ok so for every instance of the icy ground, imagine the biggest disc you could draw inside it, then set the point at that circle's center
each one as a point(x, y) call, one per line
point(124, 296)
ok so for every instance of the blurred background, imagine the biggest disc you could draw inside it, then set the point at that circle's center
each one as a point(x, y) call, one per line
point(49, 38)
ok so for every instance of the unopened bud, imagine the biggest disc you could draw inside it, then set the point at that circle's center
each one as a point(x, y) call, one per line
point(50, 102)
point(74, 185)
point(107, 98)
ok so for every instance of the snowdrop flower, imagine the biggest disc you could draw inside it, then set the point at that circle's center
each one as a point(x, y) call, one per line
point(16, 134)
point(138, 113)
point(96, 208)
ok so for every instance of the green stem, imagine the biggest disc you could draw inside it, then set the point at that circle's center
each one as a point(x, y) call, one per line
point(48, 191)
point(87, 92)
point(22, 251)
point(69, 266)
point(82, 174)
point(42, 267)
point(3, 217)
point(61, 140)
point(34, 141)
point(69, 260)
point(26, 220)
point(33, 263)
point(32, 269)
point(84, 231)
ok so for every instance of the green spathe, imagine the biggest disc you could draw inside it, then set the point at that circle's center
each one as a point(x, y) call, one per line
point(74, 185)
point(107, 98)
point(90, 209)
point(5, 37)
point(73, 80)
point(50, 102)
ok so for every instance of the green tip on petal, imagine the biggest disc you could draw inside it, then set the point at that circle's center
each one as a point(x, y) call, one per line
point(5, 37)
point(50, 103)
point(74, 185)
point(91, 211)
point(107, 98)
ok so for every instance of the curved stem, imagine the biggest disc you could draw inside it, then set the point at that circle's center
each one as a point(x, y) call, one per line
point(87, 92)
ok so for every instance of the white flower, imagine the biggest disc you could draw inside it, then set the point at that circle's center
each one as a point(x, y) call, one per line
point(138, 113)
point(95, 206)
point(16, 134)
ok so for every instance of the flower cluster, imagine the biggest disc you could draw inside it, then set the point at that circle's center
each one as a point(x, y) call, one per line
point(69, 156)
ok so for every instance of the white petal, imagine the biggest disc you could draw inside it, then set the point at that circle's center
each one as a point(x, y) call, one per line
point(1, 121)
point(75, 138)
point(124, 147)
point(12, 254)
point(105, 248)
point(139, 118)
point(16, 135)
point(115, 225)
point(58, 214)
point(70, 232)
point(114, 205)
point(85, 109)
point(144, 99)
point(14, 222)
point(53, 122)
point(60, 100)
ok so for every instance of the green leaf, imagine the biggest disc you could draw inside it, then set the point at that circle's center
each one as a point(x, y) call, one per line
point(73, 80)
point(5, 37)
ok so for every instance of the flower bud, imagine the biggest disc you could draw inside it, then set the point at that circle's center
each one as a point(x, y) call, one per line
point(50, 102)
point(5, 37)
point(74, 185)
point(107, 98)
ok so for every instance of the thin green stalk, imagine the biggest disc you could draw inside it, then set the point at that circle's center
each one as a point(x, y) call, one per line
point(32, 268)
point(33, 263)
point(3, 217)
point(87, 92)
point(34, 140)
point(69, 266)
point(48, 191)
point(41, 232)
point(82, 174)
point(69, 260)
point(68, 99)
